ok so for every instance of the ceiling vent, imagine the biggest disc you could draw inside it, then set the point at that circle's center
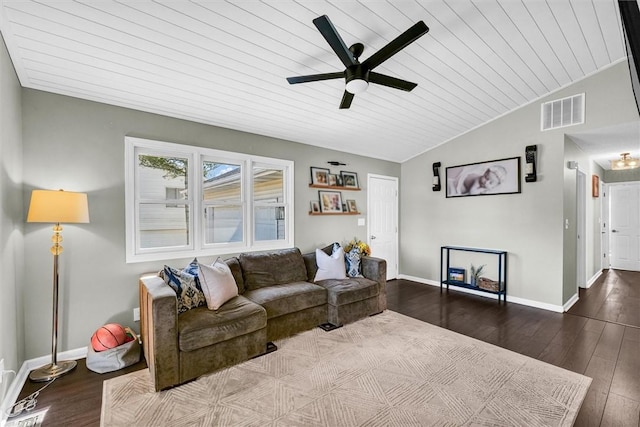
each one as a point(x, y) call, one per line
point(563, 112)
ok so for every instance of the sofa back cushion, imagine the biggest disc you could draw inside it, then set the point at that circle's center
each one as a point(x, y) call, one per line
point(260, 269)
point(236, 270)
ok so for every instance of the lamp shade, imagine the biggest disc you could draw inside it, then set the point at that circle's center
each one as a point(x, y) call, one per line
point(58, 207)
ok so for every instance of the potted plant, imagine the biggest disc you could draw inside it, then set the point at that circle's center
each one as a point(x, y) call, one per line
point(475, 274)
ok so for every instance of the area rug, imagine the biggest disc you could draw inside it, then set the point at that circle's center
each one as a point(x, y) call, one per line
point(385, 370)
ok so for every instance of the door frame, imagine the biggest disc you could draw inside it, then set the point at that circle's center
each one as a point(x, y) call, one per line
point(604, 227)
point(581, 228)
point(395, 274)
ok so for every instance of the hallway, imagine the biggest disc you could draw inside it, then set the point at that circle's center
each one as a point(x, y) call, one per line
point(614, 297)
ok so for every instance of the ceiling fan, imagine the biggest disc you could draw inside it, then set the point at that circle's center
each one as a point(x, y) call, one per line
point(358, 75)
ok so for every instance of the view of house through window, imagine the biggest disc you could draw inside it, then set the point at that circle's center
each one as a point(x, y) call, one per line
point(192, 199)
point(163, 210)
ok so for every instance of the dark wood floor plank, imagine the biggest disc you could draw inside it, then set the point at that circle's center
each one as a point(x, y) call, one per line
point(626, 378)
point(621, 412)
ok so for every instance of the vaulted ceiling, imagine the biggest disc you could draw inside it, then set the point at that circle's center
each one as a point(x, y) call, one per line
point(225, 62)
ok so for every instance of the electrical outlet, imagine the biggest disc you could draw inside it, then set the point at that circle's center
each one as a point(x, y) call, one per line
point(136, 314)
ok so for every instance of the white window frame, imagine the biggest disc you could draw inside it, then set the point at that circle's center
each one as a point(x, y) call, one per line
point(197, 246)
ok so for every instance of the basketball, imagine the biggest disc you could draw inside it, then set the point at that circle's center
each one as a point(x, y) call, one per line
point(108, 336)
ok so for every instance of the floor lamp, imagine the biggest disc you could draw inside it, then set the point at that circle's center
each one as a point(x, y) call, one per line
point(56, 207)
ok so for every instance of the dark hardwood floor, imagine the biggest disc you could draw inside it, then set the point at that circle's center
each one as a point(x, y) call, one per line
point(579, 341)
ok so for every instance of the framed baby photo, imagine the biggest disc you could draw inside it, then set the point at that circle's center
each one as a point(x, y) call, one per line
point(349, 179)
point(330, 201)
point(484, 178)
point(319, 176)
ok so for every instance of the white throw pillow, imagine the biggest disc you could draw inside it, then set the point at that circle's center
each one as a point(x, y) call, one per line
point(330, 266)
point(217, 282)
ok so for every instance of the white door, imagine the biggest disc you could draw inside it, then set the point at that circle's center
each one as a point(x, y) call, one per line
point(624, 230)
point(382, 211)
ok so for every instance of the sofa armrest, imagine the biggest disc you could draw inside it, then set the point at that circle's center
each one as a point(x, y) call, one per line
point(159, 330)
point(376, 269)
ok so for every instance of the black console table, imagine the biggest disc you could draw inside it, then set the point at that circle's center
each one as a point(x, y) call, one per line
point(502, 270)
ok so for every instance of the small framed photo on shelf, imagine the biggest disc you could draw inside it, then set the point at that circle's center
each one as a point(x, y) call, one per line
point(319, 176)
point(330, 201)
point(315, 206)
point(333, 180)
point(457, 275)
point(349, 179)
point(351, 206)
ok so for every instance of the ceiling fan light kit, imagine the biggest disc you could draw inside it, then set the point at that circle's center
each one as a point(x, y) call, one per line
point(358, 75)
point(625, 162)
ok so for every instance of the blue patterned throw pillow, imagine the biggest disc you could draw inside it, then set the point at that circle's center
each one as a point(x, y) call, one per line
point(353, 262)
point(186, 288)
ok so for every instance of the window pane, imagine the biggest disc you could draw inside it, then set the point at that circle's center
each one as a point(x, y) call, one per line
point(157, 174)
point(268, 185)
point(223, 224)
point(269, 223)
point(221, 182)
point(162, 226)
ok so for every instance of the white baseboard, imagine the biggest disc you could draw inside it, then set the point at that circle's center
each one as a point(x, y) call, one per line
point(23, 375)
point(569, 304)
point(509, 298)
point(593, 279)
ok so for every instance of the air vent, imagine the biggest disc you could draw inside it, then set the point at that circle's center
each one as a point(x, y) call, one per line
point(563, 112)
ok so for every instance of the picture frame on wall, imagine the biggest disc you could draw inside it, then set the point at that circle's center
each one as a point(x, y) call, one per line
point(351, 206)
point(315, 206)
point(595, 186)
point(484, 178)
point(330, 201)
point(319, 176)
point(349, 179)
point(333, 180)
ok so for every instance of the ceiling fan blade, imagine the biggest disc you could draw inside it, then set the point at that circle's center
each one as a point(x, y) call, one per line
point(332, 37)
point(315, 77)
point(346, 100)
point(396, 45)
point(389, 81)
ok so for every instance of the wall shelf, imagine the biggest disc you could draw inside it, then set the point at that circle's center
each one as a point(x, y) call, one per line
point(333, 213)
point(502, 270)
point(333, 187)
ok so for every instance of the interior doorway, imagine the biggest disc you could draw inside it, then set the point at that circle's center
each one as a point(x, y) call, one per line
point(624, 229)
point(382, 212)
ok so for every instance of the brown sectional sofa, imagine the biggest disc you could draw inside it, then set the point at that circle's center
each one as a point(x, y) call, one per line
point(276, 298)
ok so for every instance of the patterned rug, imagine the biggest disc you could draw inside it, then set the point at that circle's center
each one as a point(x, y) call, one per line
point(386, 370)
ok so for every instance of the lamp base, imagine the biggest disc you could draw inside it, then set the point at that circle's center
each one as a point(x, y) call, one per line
point(51, 371)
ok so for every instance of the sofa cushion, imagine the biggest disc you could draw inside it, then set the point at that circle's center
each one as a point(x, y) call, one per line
point(260, 269)
point(349, 290)
point(217, 283)
point(236, 270)
point(288, 298)
point(202, 327)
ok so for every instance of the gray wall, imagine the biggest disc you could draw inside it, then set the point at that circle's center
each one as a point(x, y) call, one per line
point(79, 145)
point(528, 225)
point(12, 217)
point(628, 175)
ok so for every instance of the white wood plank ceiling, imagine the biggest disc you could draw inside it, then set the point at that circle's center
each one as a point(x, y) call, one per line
point(225, 62)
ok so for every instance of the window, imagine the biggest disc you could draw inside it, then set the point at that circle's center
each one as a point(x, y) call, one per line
point(184, 201)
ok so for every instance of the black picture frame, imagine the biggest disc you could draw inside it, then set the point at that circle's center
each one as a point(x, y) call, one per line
point(493, 177)
point(349, 179)
point(330, 201)
point(319, 176)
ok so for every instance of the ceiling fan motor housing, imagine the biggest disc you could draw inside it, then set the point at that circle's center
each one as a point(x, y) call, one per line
point(357, 78)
